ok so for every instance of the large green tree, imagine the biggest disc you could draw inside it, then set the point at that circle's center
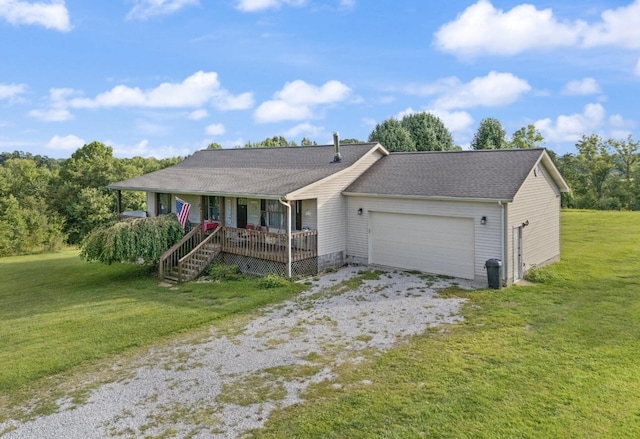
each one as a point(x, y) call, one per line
point(393, 136)
point(27, 221)
point(527, 137)
point(428, 132)
point(90, 167)
point(490, 135)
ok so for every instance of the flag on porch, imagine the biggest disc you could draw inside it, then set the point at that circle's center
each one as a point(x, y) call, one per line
point(182, 209)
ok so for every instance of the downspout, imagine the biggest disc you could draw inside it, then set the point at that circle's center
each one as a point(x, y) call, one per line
point(502, 252)
point(288, 206)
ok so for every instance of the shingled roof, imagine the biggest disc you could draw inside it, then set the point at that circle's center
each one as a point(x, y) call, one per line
point(264, 172)
point(487, 174)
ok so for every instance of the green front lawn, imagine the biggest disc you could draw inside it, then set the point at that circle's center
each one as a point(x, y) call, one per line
point(57, 312)
point(560, 359)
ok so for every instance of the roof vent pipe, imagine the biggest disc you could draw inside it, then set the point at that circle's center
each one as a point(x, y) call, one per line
point(336, 146)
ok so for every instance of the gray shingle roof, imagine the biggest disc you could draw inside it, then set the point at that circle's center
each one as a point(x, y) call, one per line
point(269, 172)
point(490, 174)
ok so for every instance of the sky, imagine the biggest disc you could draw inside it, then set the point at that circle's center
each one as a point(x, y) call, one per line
point(166, 78)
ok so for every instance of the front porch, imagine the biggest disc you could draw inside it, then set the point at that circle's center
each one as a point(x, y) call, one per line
point(254, 251)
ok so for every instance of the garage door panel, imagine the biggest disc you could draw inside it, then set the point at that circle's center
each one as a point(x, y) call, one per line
point(442, 245)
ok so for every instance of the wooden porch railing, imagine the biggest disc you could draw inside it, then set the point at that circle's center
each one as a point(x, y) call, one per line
point(269, 246)
point(193, 263)
point(181, 261)
point(170, 258)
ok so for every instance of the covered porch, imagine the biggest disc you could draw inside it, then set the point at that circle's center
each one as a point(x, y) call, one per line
point(253, 251)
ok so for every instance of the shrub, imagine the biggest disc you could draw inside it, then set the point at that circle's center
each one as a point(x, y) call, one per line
point(272, 281)
point(222, 272)
point(539, 275)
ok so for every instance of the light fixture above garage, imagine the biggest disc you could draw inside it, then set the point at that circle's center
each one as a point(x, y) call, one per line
point(360, 211)
point(483, 220)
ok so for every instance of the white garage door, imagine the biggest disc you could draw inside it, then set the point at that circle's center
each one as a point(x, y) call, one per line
point(433, 244)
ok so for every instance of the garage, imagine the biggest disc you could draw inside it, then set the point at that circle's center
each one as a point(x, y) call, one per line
point(433, 244)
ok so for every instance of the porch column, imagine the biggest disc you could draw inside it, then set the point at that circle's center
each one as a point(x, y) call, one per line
point(119, 201)
point(288, 206)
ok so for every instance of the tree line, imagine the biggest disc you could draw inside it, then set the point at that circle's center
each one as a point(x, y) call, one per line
point(46, 203)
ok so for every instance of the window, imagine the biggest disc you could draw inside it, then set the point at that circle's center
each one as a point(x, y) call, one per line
point(213, 208)
point(163, 204)
point(272, 214)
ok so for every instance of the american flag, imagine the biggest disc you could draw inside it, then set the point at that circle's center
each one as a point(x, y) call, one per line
point(182, 209)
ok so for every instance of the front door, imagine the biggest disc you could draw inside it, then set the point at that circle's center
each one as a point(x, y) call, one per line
point(241, 219)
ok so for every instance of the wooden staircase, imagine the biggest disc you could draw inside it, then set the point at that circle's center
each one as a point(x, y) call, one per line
point(187, 259)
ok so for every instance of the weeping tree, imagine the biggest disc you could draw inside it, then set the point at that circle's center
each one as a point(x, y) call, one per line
point(134, 240)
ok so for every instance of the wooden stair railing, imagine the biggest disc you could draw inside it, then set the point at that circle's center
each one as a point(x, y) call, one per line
point(169, 260)
point(197, 260)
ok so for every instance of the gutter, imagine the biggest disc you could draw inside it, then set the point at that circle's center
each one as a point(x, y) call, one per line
point(502, 232)
point(427, 197)
point(288, 206)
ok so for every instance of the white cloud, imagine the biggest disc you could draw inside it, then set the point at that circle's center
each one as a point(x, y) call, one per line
point(58, 111)
point(52, 114)
point(619, 27)
point(51, 15)
point(215, 129)
point(198, 114)
point(495, 89)
point(455, 121)
point(581, 87)
point(571, 128)
point(347, 4)
point(242, 101)
point(483, 29)
point(195, 91)
point(66, 143)
point(261, 5)
point(298, 100)
point(11, 91)
point(305, 130)
point(636, 70)
point(144, 9)
point(144, 149)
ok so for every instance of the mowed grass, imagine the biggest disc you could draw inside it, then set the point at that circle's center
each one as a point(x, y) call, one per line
point(560, 359)
point(57, 312)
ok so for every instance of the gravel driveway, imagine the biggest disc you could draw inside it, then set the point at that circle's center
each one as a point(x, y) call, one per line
point(229, 382)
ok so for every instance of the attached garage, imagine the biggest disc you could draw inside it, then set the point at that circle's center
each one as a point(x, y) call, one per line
point(433, 244)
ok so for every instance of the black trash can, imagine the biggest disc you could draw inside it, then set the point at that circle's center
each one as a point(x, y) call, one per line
point(493, 273)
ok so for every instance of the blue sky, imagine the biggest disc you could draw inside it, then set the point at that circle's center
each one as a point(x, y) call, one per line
point(167, 77)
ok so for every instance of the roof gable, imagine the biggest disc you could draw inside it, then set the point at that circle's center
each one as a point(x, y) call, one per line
point(486, 174)
point(266, 172)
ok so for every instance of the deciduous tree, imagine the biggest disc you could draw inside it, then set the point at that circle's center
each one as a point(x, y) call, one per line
point(428, 132)
point(393, 136)
point(490, 135)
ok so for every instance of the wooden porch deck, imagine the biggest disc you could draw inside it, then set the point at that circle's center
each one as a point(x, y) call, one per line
point(268, 246)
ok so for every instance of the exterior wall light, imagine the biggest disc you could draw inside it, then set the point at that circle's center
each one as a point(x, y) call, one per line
point(483, 220)
point(360, 211)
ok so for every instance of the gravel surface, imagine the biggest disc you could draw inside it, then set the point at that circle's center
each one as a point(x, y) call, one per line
point(230, 382)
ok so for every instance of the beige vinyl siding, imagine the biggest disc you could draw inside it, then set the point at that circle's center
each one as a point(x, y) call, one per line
point(538, 202)
point(486, 237)
point(330, 205)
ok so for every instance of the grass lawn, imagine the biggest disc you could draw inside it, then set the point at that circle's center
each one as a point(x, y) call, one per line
point(560, 359)
point(58, 312)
